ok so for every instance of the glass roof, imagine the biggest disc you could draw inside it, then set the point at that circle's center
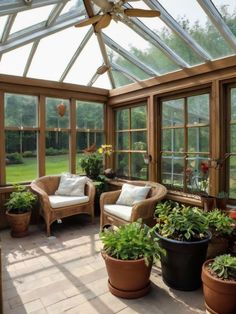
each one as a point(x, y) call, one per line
point(39, 40)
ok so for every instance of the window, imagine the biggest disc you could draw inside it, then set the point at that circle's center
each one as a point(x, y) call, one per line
point(89, 126)
point(20, 137)
point(57, 135)
point(131, 142)
point(185, 141)
point(232, 144)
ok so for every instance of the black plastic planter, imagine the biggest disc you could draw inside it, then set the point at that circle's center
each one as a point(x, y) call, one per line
point(182, 264)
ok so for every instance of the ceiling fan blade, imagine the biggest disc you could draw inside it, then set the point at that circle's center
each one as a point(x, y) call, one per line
point(102, 69)
point(141, 13)
point(104, 22)
point(89, 21)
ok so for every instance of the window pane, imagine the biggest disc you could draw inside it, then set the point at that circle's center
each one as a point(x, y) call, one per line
point(89, 115)
point(122, 165)
point(21, 156)
point(198, 139)
point(195, 174)
point(173, 112)
point(198, 109)
point(233, 104)
point(232, 177)
point(57, 113)
point(122, 119)
point(20, 110)
point(139, 117)
point(138, 167)
point(122, 141)
point(233, 139)
point(57, 152)
point(172, 167)
point(173, 140)
point(139, 140)
point(87, 139)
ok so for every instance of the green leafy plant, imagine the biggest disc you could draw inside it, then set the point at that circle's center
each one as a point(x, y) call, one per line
point(180, 222)
point(21, 200)
point(222, 195)
point(91, 163)
point(224, 267)
point(131, 242)
point(219, 223)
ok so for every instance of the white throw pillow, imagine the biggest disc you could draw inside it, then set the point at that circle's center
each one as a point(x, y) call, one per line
point(131, 194)
point(71, 185)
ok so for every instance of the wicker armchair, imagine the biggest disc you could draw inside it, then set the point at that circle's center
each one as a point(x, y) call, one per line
point(46, 186)
point(144, 209)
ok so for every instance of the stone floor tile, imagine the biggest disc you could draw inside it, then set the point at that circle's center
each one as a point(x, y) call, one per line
point(53, 298)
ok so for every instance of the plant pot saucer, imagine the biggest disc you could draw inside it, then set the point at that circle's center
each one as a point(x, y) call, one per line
point(129, 294)
point(209, 310)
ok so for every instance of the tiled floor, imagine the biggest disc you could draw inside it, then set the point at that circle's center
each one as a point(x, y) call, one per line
point(66, 274)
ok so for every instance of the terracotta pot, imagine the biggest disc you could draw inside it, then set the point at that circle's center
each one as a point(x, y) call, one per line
point(217, 246)
point(127, 278)
point(19, 223)
point(208, 202)
point(220, 295)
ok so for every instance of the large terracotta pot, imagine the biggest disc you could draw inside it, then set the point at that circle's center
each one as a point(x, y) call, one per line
point(19, 223)
point(220, 295)
point(127, 278)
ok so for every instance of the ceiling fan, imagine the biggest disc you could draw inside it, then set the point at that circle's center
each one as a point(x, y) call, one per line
point(114, 10)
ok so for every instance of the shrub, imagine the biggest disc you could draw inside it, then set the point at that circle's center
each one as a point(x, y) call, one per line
point(131, 242)
point(219, 223)
point(28, 154)
point(180, 222)
point(21, 200)
point(14, 158)
point(224, 267)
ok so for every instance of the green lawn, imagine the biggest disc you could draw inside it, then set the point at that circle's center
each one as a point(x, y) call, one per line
point(28, 170)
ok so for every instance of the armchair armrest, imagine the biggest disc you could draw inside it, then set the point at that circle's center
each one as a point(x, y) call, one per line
point(43, 196)
point(90, 190)
point(109, 197)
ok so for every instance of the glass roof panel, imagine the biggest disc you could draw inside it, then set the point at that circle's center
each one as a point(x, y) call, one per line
point(120, 79)
point(170, 38)
point(62, 45)
point(3, 20)
point(73, 5)
point(13, 62)
point(103, 81)
point(228, 12)
point(86, 64)
point(30, 17)
point(140, 48)
point(126, 64)
point(195, 21)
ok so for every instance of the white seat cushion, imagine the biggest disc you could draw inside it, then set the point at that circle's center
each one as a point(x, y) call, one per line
point(120, 211)
point(58, 201)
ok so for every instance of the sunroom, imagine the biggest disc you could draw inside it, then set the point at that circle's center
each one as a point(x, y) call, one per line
point(153, 80)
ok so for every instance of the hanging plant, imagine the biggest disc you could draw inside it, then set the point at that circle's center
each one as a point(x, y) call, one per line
point(61, 109)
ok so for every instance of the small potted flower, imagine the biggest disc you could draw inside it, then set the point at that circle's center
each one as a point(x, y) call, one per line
point(219, 284)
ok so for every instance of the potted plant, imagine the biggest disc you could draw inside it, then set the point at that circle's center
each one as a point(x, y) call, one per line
point(183, 233)
point(221, 200)
point(91, 163)
point(129, 252)
point(221, 227)
point(219, 284)
point(18, 212)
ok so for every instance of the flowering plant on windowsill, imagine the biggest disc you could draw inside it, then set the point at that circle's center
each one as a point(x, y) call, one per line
point(105, 149)
point(198, 181)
